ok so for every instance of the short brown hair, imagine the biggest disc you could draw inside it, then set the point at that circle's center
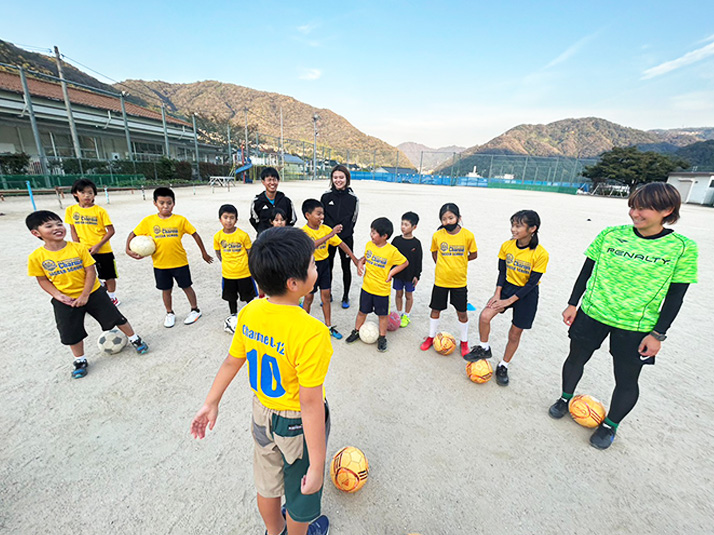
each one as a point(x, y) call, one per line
point(345, 171)
point(657, 196)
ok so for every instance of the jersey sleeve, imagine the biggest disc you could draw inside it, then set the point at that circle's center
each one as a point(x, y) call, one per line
point(314, 359)
point(502, 251)
point(334, 241)
point(216, 242)
point(142, 229)
point(472, 244)
point(87, 259)
point(397, 258)
point(188, 228)
point(434, 245)
point(34, 267)
point(68, 215)
point(686, 268)
point(247, 244)
point(237, 348)
point(595, 248)
point(540, 262)
point(104, 217)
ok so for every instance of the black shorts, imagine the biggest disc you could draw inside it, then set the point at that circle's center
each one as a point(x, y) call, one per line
point(524, 310)
point(369, 302)
point(245, 288)
point(165, 277)
point(458, 297)
point(591, 333)
point(70, 320)
point(106, 266)
point(324, 275)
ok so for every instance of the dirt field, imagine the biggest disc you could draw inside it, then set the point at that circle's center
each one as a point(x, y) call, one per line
point(112, 453)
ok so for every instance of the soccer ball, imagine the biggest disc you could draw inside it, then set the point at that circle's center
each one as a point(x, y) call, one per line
point(444, 343)
point(480, 371)
point(111, 342)
point(142, 245)
point(349, 469)
point(394, 321)
point(229, 325)
point(369, 332)
point(586, 410)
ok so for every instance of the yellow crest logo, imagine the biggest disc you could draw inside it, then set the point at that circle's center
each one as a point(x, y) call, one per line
point(368, 255)
point(509, 258)
point(49, 265)
point(444, 247)
point(157, 229)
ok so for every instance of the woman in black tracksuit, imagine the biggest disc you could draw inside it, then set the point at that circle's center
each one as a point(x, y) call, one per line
point(341, 208)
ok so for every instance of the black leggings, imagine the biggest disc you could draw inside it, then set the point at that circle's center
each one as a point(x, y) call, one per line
point(346, 267)
point(586, 336)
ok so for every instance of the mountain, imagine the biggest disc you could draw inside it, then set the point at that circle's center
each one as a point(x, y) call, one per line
point(682, 137)
point(216, 104)
point(700, 155)
point(427, 157)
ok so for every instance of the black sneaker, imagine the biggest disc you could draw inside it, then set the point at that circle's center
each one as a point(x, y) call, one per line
point(80, 369)
point(602, 437)
point(478, 353)
point(502, 375)
point(382, 344)
point(353, 337)
point(558, 409)
point(140, 346)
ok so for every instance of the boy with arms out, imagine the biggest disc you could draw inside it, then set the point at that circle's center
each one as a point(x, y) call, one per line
point(90, 225)
point(380, 263)
point(323, 236)
point(264, 203)
point(406, 281)
point(633, 280)
point(170, 260)
point(288, 353)
point(232, 246)
point(65, 270)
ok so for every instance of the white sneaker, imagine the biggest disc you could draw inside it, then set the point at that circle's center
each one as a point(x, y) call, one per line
point(230, 324)
point(192, 317)
point(170, 320)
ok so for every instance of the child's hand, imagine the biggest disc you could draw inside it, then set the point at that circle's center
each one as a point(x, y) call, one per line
point(360, 266)
point(208, 258)
point(67, 300)
point(389, 277)
point(133, 254)
point(569, 314)
point(206, 416)
point(414, 282)
point(498, 304)
point(80, 301)
point(494, 298)
point(93, 249)
point(336, 229)
point(312, 481)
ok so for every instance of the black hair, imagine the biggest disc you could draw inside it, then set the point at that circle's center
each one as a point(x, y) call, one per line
point(275, 212)
point(309, 205)
point(40, 217)
point(449, 207)
point(279, 254)
point(346, 171)
point(529, 218)
point(657, 196)
point(383, 226)
point(80, 185)
point(412, 217)
point(164, 192)
point(269, 171)
point(227, 209)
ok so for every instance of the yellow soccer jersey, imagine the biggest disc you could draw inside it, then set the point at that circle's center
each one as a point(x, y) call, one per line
point(65, 268)
point(90, 225)
point(321, 252)
point(285, 348)
point(378, 263)
point(234, 249)
point(452, 260)
point(167, 234)
point(520, 262)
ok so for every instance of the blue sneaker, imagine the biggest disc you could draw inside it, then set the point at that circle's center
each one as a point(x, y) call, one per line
point(321, 526)
point(345, 303)
point(140, 346)
point(80, 369)
point(335, 333)
point(602, 437)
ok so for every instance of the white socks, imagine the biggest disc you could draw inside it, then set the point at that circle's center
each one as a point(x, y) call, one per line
point(134, 337)
point(433, 327)
point(113, 295)
point(80, 358)
point(485, 345)
point(464, 331)
point(503, 363)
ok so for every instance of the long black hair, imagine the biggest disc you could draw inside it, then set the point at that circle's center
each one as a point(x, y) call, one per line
point(529, 218)
point(449, 207)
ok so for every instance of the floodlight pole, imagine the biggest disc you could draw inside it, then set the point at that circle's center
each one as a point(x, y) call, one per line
point(68, 106)
point(126, 126)
point(247, 152)
point(315, 117)
point(35, 130)
point(195, 146)
point(166, 133)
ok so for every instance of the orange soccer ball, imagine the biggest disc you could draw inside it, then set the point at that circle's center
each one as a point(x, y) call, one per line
point(479, 371)
point(444, 343)
point(349, 469)
point(586, 410)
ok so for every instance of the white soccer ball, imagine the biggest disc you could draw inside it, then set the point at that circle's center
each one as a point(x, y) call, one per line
point(142, 245)
point(111, 342)
point(230, 324)
point(369, 332)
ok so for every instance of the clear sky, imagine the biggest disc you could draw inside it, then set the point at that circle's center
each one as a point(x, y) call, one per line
point(437, 73)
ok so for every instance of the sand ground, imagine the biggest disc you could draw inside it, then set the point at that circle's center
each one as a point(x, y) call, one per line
point(112, 453)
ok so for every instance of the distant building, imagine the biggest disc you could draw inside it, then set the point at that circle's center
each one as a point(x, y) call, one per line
point(695, 188)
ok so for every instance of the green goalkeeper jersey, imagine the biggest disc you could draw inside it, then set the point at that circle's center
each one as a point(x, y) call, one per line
point(632, 275)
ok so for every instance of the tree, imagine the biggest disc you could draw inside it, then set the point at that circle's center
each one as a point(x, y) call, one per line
point(631, 167)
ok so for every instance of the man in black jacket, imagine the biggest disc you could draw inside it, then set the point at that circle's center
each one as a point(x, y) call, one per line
point(264, 202)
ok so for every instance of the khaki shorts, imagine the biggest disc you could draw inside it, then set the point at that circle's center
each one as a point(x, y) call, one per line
point(280, 459)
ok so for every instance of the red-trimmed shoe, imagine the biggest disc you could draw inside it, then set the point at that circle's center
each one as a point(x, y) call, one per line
point(427, 343)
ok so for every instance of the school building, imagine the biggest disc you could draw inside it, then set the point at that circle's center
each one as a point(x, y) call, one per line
point(694, 187)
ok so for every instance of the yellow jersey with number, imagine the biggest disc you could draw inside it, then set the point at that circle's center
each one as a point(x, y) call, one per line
point(285, 348)
point(167, 234)
point(234, 249)
point(90, 224)
point(452, 257)
point(65, 269)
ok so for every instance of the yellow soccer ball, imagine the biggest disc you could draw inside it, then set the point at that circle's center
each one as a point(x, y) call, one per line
point(444, 343)
point(586, 410)
point(349, 469)
point(479, 371)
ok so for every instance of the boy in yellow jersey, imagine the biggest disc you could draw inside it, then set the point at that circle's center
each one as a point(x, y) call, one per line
point(380, 263)
point(65, 270)
point(323, 236)
point(90, 225)
point(232, 246)
point(288, 353)
point(170, 260)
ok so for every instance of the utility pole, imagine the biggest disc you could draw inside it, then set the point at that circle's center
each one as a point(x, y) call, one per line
point(126, 126)
point(195, 145)
point(166, 133)
point(247, 152)
point(421, 161)
point(68, 106)
point(315, 117)
point(282, 144)
point(396, 168)
point(230, 149)
point(35, 130)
